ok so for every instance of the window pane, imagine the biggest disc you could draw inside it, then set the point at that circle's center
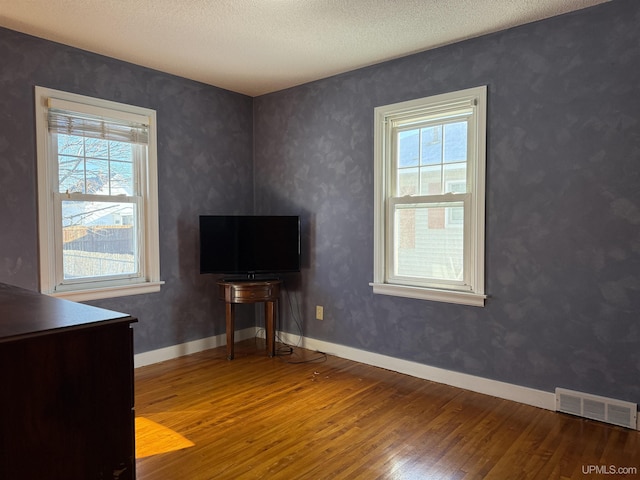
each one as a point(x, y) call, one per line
point(99, 239)
point(407, 182)
point(96, 147)
point(106, 169)
point(431, 180)
point(429, 241)
point(455, 142)
point(71, 174)
point(455, 178)
point(70, 145)
point(432, 145)
point(97, 177)
point(122, 178)
point(408, 143)
point(120, 151)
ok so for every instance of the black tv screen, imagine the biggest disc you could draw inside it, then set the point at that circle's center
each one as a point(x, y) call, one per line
point(249, 244)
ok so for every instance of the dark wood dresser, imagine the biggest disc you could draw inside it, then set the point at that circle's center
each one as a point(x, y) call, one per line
point(66, 390)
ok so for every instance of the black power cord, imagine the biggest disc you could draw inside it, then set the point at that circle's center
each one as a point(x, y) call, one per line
point(290, 349)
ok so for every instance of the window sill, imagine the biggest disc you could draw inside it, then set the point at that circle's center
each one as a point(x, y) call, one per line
point(447, 296)
point(108, 292)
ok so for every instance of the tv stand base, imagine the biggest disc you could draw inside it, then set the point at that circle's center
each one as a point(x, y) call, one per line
point(250, 291)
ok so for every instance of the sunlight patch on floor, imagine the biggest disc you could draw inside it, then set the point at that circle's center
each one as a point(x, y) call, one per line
point(153, 439)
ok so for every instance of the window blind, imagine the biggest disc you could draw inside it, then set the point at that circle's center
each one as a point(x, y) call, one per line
point(70, 118)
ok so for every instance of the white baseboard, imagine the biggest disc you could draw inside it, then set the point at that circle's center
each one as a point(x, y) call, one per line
point(507, 391)
point(195, 346)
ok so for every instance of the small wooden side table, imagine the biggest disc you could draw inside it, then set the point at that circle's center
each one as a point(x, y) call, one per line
point(250, 291)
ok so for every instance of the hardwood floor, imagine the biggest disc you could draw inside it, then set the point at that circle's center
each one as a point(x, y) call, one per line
point(305, 416)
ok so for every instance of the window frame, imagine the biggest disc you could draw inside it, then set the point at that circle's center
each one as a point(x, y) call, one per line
point(49, 214)
point(422, 111)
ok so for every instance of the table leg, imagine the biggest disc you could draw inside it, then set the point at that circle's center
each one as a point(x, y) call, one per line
point(230, 307)
point(270, 327)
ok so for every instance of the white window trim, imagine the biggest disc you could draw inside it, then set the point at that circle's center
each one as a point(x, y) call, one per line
point(150, 281)
point(380, 284)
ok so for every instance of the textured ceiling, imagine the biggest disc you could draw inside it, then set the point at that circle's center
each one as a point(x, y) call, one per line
point(260, 46)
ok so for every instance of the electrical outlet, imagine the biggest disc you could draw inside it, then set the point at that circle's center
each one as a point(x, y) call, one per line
point(319, 312)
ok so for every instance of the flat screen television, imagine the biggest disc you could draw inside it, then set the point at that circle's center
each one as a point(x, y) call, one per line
point(249, 245)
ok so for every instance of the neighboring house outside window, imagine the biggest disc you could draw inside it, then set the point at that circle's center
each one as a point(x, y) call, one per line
point(97, 197)
point(430, 198)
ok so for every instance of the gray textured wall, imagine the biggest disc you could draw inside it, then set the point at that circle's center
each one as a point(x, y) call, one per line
point(204, 166)
point(563, 204)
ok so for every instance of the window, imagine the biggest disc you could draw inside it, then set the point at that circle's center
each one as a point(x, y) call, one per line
point(97, 197)
point(429, 198)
